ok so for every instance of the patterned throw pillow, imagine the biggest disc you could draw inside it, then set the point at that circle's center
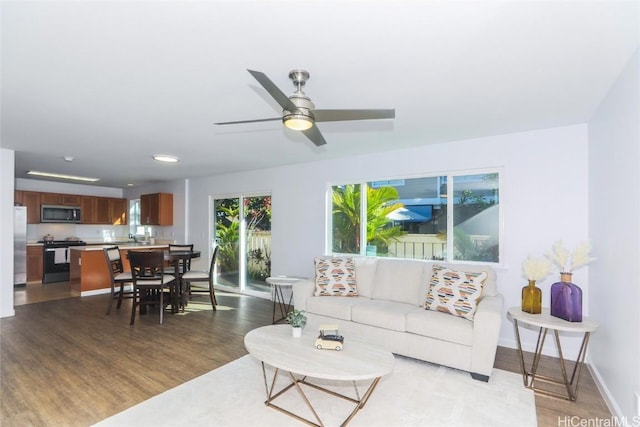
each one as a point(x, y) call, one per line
point(455, 292)
point(335, 277)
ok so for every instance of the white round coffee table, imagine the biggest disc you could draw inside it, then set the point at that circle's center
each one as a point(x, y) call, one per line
point(298, 357)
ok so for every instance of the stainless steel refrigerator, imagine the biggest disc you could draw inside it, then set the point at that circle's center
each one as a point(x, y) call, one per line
point(20, 246)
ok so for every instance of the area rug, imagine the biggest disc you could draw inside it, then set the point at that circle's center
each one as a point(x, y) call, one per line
point(415, 394)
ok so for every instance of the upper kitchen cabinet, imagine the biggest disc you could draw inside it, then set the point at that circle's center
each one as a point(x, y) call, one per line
point(60, 199)
point(110, 211)
point(102, 214)
point(31, 199)
point(88, 209)
point(118, 211)
point(156, 209)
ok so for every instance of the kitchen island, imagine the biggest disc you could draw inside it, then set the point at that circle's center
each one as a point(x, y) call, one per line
point(89, 273)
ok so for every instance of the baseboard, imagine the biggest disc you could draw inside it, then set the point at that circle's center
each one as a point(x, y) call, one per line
point(604, 391)
point(97, 292)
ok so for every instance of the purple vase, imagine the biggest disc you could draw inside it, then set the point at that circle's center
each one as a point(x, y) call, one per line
point(566, 299)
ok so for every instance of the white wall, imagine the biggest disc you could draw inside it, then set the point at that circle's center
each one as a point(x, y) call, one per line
point(6, 231)
point(614, 225)
point(544, 198)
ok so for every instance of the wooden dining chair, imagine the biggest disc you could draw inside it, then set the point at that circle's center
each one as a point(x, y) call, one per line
point(119, 277)
point(193, 278)
point(151, 286)
point(183, 266)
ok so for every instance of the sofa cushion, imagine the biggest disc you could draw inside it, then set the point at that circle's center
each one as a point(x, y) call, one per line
point(400, 280)
point(335, 276)
point(435, 324)
point(365, 275)
point(337, 307)
point(381, 313)
point(455, 292)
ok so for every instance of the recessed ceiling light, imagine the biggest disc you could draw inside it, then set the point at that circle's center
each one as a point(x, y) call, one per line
point(130, 185)
point(62, 176)
point(165, 158)
point(68, 159)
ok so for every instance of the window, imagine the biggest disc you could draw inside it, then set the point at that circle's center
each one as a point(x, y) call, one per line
point(134, 218)
point(447, 217)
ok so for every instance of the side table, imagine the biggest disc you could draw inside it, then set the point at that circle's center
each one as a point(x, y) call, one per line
point(278, 283)
point(545, 321)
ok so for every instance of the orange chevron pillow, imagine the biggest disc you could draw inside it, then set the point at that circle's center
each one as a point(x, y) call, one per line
point(455, 292)
point(335, 276)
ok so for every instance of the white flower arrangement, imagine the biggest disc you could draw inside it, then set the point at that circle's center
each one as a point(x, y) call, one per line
point(536, 268)
point(568, 262)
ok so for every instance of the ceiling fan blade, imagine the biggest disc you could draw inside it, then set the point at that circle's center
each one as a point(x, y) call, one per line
point(340, 115)
point(248, 121)
point(313, 133)
point(274, 91)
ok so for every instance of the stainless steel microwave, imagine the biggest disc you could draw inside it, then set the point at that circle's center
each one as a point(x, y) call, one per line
point(52, 213)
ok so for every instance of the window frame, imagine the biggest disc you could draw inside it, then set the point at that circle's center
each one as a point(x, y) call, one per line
point(450, 175)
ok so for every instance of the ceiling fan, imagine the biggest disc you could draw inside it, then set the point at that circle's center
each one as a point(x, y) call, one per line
point(299, 113)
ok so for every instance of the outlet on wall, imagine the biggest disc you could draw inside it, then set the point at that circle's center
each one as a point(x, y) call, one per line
point(637, 404)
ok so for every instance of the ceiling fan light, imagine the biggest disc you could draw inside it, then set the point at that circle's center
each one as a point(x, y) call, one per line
point(297, 121)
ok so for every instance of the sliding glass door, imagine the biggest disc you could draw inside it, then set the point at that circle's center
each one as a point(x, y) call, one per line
point(242, 227)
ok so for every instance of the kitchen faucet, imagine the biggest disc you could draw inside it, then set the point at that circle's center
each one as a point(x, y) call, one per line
point(133, 236)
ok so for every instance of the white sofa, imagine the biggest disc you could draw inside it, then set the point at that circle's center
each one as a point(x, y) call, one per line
point(389, 311)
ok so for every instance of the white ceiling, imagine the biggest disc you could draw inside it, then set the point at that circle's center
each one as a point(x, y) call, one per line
point(111, 83)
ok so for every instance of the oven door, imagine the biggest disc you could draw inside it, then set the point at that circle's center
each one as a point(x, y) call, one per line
point(56, 264)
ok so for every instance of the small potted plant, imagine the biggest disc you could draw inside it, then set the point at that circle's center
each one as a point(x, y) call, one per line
point(297, 320)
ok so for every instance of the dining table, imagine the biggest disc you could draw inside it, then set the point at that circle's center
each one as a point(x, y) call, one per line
point(182, 261)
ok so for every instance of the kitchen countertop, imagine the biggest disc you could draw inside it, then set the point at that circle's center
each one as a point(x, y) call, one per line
point(121, 245)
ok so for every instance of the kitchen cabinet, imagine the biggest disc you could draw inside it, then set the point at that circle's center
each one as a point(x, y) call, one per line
point(102, 214)
point(156, 209)
point(31, 199)
point(109, 210)
point(95, 210)
point(50, 198)
point(118, 211)
point(70, 199)
point(88, 207)
point(34, 263)
point(60, 199)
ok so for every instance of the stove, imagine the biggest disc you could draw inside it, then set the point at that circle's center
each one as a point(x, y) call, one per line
point(62, 243)
point(56, 259)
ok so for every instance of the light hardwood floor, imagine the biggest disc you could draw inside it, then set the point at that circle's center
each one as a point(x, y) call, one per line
point(64, 363)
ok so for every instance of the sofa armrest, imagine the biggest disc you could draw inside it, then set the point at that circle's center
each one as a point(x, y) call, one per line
point(486, 332)
point(301, 291)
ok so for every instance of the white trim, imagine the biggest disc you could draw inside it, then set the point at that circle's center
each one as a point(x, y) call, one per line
point(604, 391)
point(95, 292)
